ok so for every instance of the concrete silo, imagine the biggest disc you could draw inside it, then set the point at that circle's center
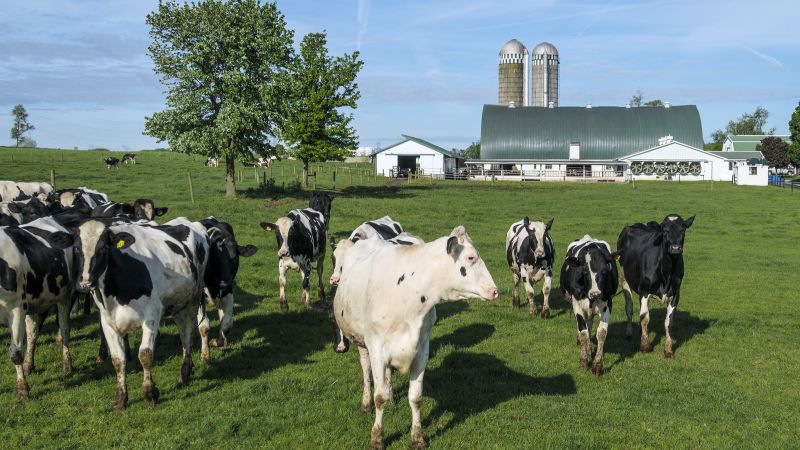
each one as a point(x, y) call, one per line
point(513, 74)
point(544, 59)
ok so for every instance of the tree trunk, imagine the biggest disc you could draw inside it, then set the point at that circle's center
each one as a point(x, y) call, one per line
point(305, 174)
point(230, 191)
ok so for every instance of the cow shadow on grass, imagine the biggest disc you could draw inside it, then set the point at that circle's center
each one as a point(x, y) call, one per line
point(389, 192)
point(685, 326)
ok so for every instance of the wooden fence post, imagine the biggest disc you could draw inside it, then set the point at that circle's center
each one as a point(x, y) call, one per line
point(191, 189)
point(53, 178)
point(334, 178)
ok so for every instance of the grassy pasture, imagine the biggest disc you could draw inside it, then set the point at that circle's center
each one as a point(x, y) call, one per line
point(496, 377)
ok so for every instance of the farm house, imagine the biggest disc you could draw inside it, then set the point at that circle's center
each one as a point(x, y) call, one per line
point(417, 156)
point(597, 143)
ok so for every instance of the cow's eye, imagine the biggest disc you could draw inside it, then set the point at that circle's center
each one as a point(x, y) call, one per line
point(471, 258)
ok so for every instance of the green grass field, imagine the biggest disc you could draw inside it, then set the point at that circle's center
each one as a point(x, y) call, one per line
point(496, 377)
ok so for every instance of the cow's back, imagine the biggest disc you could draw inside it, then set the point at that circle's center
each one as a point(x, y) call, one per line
point(647, 267)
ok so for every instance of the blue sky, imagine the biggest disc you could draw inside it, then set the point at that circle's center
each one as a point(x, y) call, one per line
point(81, 68)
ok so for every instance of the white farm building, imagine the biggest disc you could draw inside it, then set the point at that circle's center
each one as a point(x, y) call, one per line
point(414, 155)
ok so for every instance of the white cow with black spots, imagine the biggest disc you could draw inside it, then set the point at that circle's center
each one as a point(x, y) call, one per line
point(530, 255)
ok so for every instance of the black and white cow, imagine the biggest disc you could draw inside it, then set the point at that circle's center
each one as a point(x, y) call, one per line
point(301, 237)
point(23, 211)
point(530, 255)
point(141, 209)
point(23, 190)
point(69, 198)
point(136, 274)
point(129, 157)
point(36, 273)
point(212, 161)
point(651, 264)
point(383, 228)
point(111, 162)
point(220, 276)
point(589, 280)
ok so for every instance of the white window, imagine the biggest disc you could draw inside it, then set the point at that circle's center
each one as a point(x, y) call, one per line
point(575, 150)
point(548, 166)
point(753, 170)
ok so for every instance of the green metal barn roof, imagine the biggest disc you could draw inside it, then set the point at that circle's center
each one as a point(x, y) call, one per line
point(422, 142)
point(604, 132)
point(749, 142)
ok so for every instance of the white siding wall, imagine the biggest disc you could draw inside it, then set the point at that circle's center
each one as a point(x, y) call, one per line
point(714, 167)
point(743, 176)
point(430, 161)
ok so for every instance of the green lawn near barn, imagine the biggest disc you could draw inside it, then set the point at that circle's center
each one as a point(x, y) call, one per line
point(497, 378)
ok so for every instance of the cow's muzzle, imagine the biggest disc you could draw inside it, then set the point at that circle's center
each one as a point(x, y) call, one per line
point(491, 293)
point(334, 280)
point(84, 286)
point(594, 295)
point(283, 253)
point(676, 249)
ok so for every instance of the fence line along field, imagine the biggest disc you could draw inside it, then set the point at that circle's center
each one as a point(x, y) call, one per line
point(496, 377)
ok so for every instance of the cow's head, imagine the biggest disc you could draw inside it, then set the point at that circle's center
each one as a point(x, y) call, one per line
point(466, 274)
point(223, 259)
point(337, 258)
point(592, 273)
point(31, 210)
point(94, 245)
point(281, 228)
point(537, 231)
point(673, 229)
point(68, 198)
point(144, 208)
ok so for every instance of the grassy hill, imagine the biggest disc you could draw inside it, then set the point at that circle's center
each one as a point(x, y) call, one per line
point(496, 378)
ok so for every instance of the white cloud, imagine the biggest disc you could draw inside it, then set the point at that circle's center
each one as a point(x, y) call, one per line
point(769, 59)
point(363, 19)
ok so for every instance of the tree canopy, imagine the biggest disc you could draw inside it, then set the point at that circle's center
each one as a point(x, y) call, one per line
point(794, 131)
point(21, 126)
point(637, 100)
point(225, 66)
point(473, 151)
point(748, 123)
point(316, 126)
point(775, 150)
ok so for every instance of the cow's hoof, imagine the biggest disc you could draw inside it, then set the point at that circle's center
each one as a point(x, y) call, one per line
point(205, 355)
point(284, 307)
point(376, 440)
point(121, 402)
point(515, 303)
point(668, 354)
point(417, 440)
point(58, 343)
point(66, 366)
point(645, 347)
point(22, 390)
point(597, 369)
point(186, 373)
point(366, 408)
point(584, 364)
point(151, 394)
point(99, 360)
point(532, 312)
point(219, 342)
point(546, 313)
point(28, 368)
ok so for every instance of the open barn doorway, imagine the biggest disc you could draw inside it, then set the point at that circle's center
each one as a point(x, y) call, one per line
point(406, 164)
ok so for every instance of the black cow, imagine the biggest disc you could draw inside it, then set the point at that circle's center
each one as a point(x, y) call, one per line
point(129, 157)
point(530, 255)
point(321, 202)
point(651, 263)
point(141, 209)
point(589, 279)
point(220, 276)
point(36, 273)
point(15, 213)
point(111, 162)
point(136, 274)
point(301, 237)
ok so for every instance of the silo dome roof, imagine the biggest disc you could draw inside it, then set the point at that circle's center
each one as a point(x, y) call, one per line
point(512, 47)
point(545, 48)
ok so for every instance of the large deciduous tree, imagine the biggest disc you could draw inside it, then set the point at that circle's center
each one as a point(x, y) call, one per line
point(21, 125)
point(316, 126)
point(473, 151)
point(794, 132)
point(225, 67)
point(748, 123)
point(775, 150)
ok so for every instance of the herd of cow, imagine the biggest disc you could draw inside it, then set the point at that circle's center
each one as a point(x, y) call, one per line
point(57, 245)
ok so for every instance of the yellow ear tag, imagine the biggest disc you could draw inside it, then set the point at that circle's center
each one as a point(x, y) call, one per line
point(120, 243)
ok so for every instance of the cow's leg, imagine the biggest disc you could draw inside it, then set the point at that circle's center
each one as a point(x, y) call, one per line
point(380, 397)
point(581, 310)
point(644, 319)
point(225, 311)
point(602, 332)
point(282, 284)
point(305, 297)
point(203, 327)
point(548, 283)
point(366, 396)
point(116, 348)
point(186, 321)
point(146, 357)
point(415, 396)
point(515, 297)
point(530, 292)
point(626, 291)
point(320, 267)
point(63, 332)
point(33, 322)
point(16, 323)
point(671, 307)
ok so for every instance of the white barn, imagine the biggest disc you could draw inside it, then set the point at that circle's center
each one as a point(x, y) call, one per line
point(414, 155)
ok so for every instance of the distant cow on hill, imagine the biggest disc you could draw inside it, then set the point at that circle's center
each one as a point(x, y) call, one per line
point(651, 263)
point(129, 157)
point(212, 161)
point(111, 162)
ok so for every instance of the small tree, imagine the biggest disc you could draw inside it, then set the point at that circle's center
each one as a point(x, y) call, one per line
point(321, 87)
point(775, 150)
point(473, 151)
point(794, 131)
point(21, 125)
point(636, 100)
point(654, 103)
point(224, 64)
point(750, 123)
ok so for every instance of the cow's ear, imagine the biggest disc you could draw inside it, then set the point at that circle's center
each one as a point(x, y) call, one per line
point(247, 250)
point(60, 240)
point(688, 222)
point(268, 226)
point(459, 232)
point(526, 221)
point(549, 224)
point(122, 240)
point(77, 195)
point(333, 243)
point(452, 246)
point(160, 211)
point(15, 208)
